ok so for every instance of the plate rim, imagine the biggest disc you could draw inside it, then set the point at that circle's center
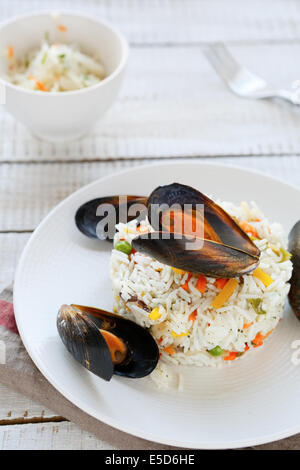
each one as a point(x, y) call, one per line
point(77, 401)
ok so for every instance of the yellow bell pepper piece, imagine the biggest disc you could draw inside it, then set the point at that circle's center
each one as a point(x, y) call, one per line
point(176, 335)
point(225, 293)
point(263, 277)
point(178, 271)
point(154, 314)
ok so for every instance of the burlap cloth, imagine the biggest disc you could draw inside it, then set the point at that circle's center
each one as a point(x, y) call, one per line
point(20, 374)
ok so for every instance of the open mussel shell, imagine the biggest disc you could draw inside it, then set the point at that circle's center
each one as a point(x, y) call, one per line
point(294, 249)
point(207, 257)
point(105, 343)
point(82, 339)
point(220, 249)
point(97, 218)
point(216, 224)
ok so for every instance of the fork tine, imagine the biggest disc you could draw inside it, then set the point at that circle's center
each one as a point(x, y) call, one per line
point(222, 61)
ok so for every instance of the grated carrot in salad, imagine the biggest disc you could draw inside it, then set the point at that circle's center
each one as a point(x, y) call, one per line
point(39, 84)
point(62, 28)
point(10, 52)
point(56, 67)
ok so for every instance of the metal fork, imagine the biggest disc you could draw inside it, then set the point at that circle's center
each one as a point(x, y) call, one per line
point(240, 80)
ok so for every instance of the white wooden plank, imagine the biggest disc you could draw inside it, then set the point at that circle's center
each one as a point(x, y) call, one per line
point(48, 436)
point(174, 104)
point(14, 407)
point(181, 21)
point(67, 436)
point(28, 192)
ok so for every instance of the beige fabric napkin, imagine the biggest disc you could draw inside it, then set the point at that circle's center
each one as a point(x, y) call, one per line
point(20, 374)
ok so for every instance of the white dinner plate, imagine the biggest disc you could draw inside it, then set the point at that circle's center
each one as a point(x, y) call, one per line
point(248, 402)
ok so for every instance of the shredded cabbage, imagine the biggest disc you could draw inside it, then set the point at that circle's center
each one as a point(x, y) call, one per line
point(55, 67)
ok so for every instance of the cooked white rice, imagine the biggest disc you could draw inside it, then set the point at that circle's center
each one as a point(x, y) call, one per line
point(137, 276)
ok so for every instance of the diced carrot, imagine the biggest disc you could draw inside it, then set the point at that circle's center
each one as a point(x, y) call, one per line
point(159, 340)
point(220, 283)
point(249, 229)
point(133, 251)
point(193, 316)
point(62, 28)
point(246, 348)
point(225, 293)
point(169, 350)
point(185, 286)
point(247, 325)
point(258, 340)
point(10, 52)
point(231, 356)
point(201, 284)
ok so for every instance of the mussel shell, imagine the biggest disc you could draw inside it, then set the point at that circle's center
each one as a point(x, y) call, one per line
point(218, 225)
point(143, 353)
point(212, 260)
point(294, 249)
point(143, 350)
point(82, 339)
point(89, 223)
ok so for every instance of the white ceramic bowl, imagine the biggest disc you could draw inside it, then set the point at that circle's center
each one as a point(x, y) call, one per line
point(65, 115)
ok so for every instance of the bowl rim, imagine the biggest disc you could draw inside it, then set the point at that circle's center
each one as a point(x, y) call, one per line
point(123, 43)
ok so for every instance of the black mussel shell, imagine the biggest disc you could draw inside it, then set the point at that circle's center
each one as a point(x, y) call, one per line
point(81, 337)
point(111, 210)
point(217, 225)
point(142, 351)
point(208, 258)
point(222, 248)
point(294, 249)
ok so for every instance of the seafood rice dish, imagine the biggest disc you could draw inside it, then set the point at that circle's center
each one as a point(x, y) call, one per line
point(196, 282)
point(201, 319)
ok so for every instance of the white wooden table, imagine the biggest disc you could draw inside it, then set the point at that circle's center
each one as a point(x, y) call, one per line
point(172, 106)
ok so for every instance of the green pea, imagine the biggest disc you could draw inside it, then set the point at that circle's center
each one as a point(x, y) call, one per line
point(217, 351)
point(123, 246)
